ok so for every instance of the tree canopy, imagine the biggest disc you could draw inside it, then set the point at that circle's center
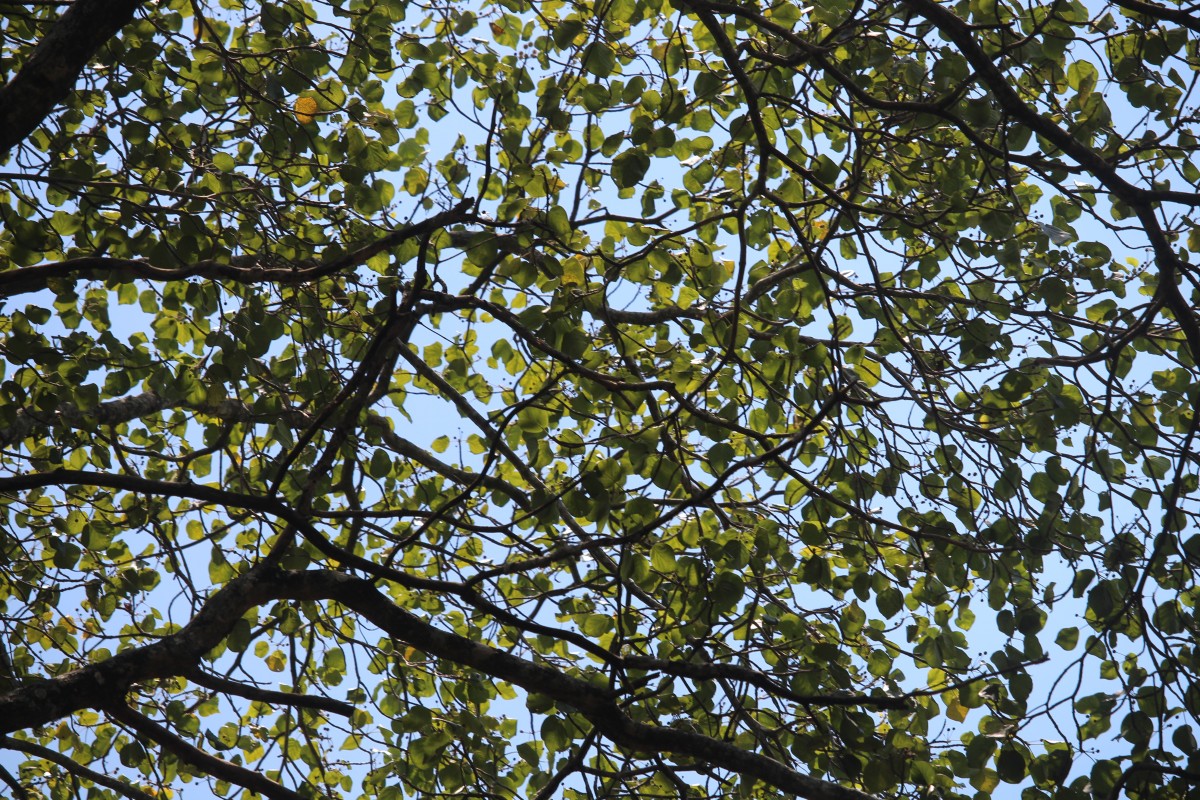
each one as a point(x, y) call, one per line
point(627, 398)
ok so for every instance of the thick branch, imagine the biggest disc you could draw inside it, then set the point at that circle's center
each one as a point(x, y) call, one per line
point(94, 686)
point(1179, 16)
point(13, 783)
point(955, 30)
point(56, 63)
point(597, 703)
point(114, 412)
point(270, 505)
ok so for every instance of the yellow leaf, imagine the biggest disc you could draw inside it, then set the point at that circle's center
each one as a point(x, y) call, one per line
point(306, 109)
point(573, 272)
point(955, 710)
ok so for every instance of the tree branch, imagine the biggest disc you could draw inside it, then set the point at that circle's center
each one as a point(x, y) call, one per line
point(219, 768)
point(37, 703)
point(51, 71)
point(13, 783)
point(73, 766)
point(218, 683)
point(95, 685)
point(715, 670)
point(597, 703)
point(1177, 15)
point(240, 269)
point(277, 508)
point(956, 31)
point(116, 412)
point(1141, 200)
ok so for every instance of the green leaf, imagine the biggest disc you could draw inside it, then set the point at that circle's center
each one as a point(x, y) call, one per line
point(1010, 765)
point(1067, 638)
point(629, 168)
point(599, 59)
point(662, 558)
point(224, 162)
point(644, 369)
point(728, 591)
point(559, 224)
point(380, 464)
point(566, 32)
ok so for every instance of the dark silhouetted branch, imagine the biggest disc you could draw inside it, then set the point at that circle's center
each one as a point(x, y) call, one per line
point(217, 683)
point(218, 768)
point(51, 71)
point(74, 767)
point(240, 269)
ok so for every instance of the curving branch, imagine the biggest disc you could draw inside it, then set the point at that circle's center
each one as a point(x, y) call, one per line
point(958, 32)
point(1180, 16)
point(74, 767)
point(117, 412)
point(218, 768)
point(36, 703)
point(714, 670)
point(114, 412)
point(96, 685)
point(267, 504)
point(565, 771)
point(49, 75)
point(597, 704)
point(224, 685)
point(13, 783)
point(1141, 200)
point(240, 269)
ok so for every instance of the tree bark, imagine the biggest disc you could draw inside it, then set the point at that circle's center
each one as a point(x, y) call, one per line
point(102, 685)
point(56, 63)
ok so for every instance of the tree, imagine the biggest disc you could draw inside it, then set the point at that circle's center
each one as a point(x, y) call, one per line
point(629, 398)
